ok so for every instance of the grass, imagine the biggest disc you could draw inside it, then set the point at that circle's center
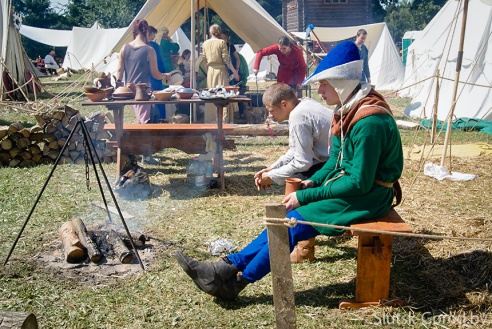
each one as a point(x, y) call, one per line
point(444, 283)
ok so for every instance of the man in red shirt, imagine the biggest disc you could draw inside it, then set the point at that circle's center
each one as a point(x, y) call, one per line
point(292, 69)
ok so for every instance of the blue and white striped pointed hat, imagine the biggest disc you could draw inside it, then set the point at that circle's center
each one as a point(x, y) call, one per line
point(342, 63)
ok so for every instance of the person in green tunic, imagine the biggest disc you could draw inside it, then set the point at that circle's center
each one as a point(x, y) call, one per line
point(356, 182)
point(167, 47)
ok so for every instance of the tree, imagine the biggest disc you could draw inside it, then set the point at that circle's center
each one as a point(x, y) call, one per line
point(36, 13)
point(108, 13)
point(273, 7)
point(410, 16)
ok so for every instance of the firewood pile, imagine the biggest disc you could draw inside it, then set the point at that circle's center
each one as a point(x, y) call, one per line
point(41, 144)
point(93, 243)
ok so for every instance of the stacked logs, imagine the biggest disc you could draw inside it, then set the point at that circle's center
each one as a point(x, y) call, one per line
point(42, 143)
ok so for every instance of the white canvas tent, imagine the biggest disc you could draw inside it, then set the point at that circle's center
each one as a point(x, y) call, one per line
point(91, 47)
point(88, 47)
point(437, 48)
point(54, 38)
point(246, 18)
point(13, 57)
point(387, 71)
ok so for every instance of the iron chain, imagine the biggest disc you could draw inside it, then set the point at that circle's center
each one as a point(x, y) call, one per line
point(86, 160)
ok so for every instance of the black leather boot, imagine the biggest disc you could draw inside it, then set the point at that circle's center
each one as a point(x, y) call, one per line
point(209, 277)
point(231, 288)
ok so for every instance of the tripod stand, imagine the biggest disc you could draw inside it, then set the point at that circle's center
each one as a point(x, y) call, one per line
point(91, 150)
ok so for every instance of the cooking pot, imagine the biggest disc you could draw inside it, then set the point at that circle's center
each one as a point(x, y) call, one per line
point(186, 93)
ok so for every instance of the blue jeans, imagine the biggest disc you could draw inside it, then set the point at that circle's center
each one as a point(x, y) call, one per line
point(254, 260)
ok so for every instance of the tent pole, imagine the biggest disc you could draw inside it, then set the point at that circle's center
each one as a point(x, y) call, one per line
point(205, 18)
point(456, 81)
point(320, 43)
point(197, 24)
point(193, 41)
point(434, 109)
point(192, 71)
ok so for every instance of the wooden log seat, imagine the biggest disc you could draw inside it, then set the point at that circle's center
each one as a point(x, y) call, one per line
point(374, 261)
point(151, 138)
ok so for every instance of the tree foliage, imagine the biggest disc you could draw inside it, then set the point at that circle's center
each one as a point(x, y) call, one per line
point(36, 12)
point(410, 16)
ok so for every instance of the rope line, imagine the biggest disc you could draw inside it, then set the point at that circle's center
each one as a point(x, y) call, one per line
point(292, 222)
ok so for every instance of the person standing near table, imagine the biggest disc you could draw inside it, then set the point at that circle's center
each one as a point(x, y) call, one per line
point(167, 47)
point(137, 62)
point(156, 84)
point(215, 55)
point(360, 39)
point(292, 69)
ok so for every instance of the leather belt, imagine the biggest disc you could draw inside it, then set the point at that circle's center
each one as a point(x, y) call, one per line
point(397, 188)
point(385, 184)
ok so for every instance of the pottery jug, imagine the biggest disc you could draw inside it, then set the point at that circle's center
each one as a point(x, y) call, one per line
point(103, 83)
point(141, 92)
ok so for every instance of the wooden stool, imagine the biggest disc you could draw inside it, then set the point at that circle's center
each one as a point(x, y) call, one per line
point(374, 261)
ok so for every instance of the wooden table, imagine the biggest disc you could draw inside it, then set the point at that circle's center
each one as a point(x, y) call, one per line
point(117, 106)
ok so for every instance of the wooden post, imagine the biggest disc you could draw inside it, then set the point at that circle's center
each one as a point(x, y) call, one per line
point(447, 138)
point(320, 43)
point(434, 110)
point(283, 286)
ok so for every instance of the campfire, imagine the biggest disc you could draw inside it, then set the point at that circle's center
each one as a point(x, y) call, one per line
point(99, 251)
point(98, 242)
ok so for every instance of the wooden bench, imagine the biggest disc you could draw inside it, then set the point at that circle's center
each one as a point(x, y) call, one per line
point(374, 261)
point(373, 264)
point(150, 138)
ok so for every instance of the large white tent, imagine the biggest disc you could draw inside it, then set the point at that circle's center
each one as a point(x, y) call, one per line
point(90, 47)
point(437, 48)
point(15, 65)
point(246, 18)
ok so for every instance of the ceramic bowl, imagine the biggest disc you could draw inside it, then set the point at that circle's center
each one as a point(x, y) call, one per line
point(96, 97)
point(163, 95)
point(235, 89)
point(108, 91)
point(184, 95)
point(92, 90)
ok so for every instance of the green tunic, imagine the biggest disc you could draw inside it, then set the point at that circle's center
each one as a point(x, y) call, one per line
point(166, 48)
point(372, 150)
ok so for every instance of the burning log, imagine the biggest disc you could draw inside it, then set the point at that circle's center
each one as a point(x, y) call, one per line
point(19, 320)
point(72, 247)
point(121, 251)
point(89, 244)
point(139, 239)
